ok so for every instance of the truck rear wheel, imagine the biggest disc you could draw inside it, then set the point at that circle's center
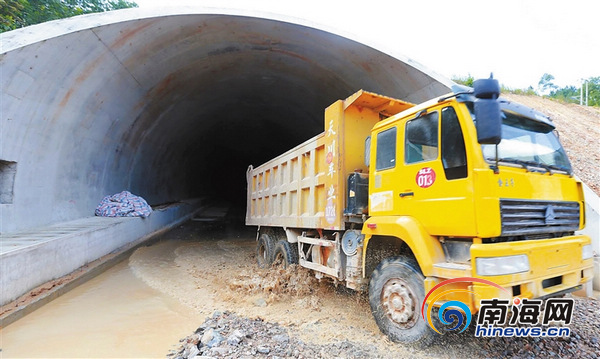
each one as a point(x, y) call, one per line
point(285, 253)
point(396, 293)
point(264, 251)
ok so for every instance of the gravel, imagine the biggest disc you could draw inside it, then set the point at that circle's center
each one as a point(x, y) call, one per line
point(250, 338)
point(582, 343)
point(227, 335)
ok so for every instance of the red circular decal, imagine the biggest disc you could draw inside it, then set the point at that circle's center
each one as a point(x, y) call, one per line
point(329, 157)
point(425, 177)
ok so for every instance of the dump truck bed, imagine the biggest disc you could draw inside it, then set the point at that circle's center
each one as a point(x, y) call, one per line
point(288, 191)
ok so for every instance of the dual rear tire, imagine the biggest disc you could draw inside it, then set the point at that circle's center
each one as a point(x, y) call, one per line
point(271, 252)
point(264, 251)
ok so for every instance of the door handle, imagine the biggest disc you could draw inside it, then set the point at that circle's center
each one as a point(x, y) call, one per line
point(406, 194)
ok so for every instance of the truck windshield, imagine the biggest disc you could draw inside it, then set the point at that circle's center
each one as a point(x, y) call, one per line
point(528, 143)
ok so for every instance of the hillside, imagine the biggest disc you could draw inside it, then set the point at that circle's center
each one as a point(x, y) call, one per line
point(579, 131)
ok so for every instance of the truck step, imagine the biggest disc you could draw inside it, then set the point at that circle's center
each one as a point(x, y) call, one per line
point(316, 241)
point(320, 268)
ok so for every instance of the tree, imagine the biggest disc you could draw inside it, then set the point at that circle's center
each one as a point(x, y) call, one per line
point(546, 85)
point(572, 93)
point(593, 88)
point(11, 14)
point(20, 13)
point(566, 94)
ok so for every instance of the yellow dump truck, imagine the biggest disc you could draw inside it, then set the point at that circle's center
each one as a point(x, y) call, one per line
point(395, 198)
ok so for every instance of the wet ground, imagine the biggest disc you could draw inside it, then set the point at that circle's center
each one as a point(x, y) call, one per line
point(113, 315)
point(164, 291)
point(214, 269)
point(144, 305)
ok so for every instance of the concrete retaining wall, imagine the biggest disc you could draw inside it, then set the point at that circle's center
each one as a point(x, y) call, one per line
point(29, 259)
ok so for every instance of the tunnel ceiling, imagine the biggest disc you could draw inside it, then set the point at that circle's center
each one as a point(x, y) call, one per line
point(170, 106)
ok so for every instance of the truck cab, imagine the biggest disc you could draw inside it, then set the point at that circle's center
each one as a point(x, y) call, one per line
point(505, 210)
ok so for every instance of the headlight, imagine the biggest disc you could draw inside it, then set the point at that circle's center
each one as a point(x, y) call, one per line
point(502, 265)
point(587, 252)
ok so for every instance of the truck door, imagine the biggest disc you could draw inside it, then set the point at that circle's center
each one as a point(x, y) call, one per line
point(429, 177)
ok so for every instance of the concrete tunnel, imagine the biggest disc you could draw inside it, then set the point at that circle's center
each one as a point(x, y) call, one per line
point(170, 104)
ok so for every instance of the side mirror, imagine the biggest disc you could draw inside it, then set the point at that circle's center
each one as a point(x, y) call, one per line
point(486, 88)
point(368, 151)
point(487, 111)
point(489, 122)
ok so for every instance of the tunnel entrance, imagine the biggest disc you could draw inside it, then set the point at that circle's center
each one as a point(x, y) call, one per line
point(172, 105)
point(247, 134)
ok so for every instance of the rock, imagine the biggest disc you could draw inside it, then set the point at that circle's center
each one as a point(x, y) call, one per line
point(193, 339)
point(263, 349)
point(211, 338)
point(281, 338)
point(193, 351)
point(235, 337)
point(216, 340)
point(207, 336)
point(260, 302)
point(219, 351)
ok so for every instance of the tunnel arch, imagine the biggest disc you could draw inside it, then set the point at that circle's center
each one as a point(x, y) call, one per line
point(171, 104)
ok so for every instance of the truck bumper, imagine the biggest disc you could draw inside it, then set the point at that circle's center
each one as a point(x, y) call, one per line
point(556, 266)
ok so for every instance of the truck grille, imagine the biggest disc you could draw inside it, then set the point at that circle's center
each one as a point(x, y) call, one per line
point(521, 217)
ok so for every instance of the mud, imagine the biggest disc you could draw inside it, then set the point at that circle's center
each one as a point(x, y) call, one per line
point(113, 315)
point(144, 306)
point(216, 272)
point(210, 270)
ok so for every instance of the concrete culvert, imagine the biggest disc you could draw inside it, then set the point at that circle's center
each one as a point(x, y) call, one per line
point(171, 105)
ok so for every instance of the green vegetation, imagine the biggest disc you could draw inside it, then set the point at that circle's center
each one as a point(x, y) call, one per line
point(466, 80)
point(547, 88)
point(20, 13)
point(571, 94)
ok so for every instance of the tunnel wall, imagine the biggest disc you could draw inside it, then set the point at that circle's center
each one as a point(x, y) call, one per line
point(165, 104)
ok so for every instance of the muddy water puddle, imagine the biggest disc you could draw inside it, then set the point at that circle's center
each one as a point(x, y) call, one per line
point(112, 315)
point(144, 305)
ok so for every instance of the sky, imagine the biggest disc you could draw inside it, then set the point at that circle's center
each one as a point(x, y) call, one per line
point(517, 40)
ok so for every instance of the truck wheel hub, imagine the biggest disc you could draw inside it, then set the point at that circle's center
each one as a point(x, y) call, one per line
point(399, 303)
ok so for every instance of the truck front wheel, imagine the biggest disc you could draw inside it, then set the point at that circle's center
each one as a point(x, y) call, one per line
point(264, 251)
point(396, 292)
